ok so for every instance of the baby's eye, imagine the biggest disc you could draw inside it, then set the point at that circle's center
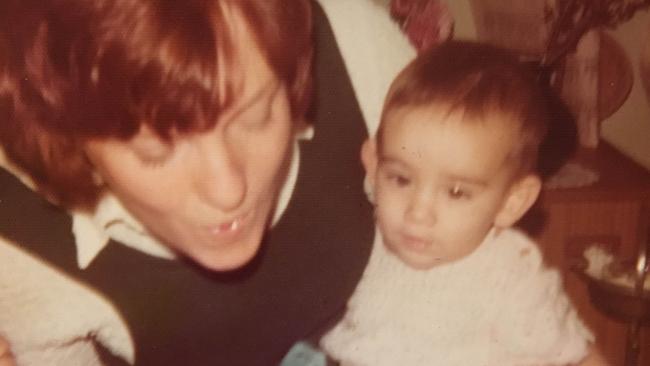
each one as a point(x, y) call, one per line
point(401, 180)
point(457, 192)
point(398, 179)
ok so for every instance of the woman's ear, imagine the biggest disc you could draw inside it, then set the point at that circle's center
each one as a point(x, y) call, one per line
point(521, 196)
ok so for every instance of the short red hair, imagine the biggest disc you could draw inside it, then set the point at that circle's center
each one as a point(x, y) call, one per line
point(73, 70)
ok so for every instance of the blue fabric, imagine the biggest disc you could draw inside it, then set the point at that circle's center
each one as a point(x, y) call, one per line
point(303, 354)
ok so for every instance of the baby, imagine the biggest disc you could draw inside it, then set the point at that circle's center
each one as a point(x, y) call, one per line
point(452, 169)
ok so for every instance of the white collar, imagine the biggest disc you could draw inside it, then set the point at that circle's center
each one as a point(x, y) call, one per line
point(92, 232)
point(111, 220)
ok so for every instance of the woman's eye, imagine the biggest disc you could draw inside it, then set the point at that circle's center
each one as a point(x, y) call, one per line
point(155, 159)
point(254, 123)
point(257, 117)
point(152, 151)
point(154, 163)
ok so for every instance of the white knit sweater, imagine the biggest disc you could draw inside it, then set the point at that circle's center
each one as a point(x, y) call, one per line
point(499, 306)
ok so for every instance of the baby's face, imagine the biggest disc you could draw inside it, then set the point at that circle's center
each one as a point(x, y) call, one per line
point(440, 183)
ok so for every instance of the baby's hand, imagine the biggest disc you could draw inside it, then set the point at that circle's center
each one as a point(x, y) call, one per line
point(6, 357)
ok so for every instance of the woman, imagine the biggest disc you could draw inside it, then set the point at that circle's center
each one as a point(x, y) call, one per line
point(174, 215)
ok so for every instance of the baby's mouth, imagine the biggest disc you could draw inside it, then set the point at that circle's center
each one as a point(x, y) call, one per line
point(415, 242)
point(229, 227)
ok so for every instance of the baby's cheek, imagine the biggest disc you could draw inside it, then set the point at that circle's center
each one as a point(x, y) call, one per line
point(383, 214)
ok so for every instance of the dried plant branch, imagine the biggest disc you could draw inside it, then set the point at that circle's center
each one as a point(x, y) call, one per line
point(577, 17)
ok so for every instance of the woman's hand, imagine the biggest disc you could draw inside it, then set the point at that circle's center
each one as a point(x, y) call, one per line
point(6, 357)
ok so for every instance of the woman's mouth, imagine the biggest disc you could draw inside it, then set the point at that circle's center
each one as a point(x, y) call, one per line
point(232, 226)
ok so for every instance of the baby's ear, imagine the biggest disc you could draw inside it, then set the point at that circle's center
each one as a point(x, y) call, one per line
point(520, 198)
point(369, 157)
point(369, 160)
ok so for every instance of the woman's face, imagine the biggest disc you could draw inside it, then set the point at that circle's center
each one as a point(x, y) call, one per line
point(209, 195)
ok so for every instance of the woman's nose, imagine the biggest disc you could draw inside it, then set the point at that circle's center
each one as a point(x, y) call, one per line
point(421, 209)
point(220, 175)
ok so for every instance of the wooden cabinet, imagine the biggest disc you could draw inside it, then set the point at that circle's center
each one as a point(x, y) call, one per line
point(608, 211)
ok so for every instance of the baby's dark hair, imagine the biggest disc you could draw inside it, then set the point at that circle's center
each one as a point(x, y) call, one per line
point(477, 80)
